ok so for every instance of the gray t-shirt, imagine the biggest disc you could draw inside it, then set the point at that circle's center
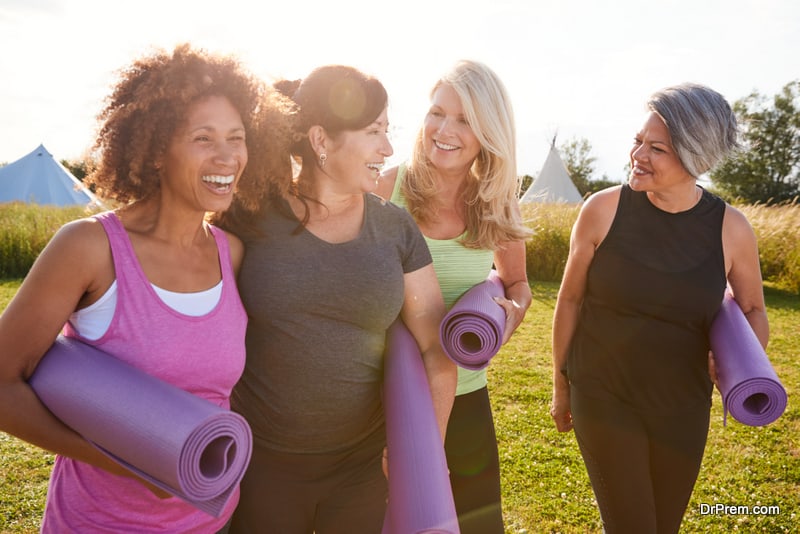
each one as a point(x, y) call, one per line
point(318, 314)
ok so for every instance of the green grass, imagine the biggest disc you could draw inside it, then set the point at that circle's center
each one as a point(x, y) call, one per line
point(545, 487)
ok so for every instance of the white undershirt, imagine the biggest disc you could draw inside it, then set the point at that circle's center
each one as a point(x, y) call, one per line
point(92, 321)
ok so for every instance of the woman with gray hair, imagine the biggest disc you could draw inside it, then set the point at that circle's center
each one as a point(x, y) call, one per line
point(648, 266)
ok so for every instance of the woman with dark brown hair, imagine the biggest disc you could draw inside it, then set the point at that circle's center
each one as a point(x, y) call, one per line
point(329, 267)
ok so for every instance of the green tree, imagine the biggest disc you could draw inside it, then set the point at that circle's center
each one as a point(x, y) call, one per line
point(78, 168)
point(767, 169)
point(525, 182)
point(577, 157)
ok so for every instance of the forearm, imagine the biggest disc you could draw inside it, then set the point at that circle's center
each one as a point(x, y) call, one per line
point(23, 415)
point(564, 324)
point(760, 324)
point(442, 379)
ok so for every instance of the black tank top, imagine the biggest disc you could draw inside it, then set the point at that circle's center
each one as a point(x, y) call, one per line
point(653, 288)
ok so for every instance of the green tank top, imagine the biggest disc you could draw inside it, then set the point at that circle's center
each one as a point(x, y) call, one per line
point(458, 269)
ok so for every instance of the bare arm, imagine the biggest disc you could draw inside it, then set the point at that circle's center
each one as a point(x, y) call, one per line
point(744, 271)
point(423, 311)
point(510, 264)
point(72, 271)
point(589, 230)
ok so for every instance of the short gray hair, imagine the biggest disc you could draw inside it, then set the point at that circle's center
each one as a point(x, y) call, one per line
point(701, 124)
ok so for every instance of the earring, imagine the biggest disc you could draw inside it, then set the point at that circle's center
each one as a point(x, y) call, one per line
point(322, 159)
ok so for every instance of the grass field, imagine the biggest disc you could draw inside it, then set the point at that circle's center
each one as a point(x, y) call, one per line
point(545, 486)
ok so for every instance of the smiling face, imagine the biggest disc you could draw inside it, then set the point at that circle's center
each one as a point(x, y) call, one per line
point(356, 157)
point(655, 166)
point(447, 139)
point(206, 156)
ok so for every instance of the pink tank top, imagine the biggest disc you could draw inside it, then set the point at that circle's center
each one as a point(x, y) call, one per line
point(204, 355)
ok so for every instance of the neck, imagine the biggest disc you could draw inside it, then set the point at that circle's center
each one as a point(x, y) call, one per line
point(677, 201)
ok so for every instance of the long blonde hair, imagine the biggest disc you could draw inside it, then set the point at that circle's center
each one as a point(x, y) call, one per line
point(492, 214)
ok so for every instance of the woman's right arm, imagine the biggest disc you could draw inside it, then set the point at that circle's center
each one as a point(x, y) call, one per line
point(69, 273)
point(590, 228)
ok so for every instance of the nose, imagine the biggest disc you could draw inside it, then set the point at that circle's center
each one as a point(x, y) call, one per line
point(386, 149)
point(225, 154)
point(444, 125)
point(638, 152)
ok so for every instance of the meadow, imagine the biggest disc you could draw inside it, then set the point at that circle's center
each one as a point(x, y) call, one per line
point(545, 487)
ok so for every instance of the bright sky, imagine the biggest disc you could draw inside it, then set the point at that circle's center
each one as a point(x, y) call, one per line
point(575, 68)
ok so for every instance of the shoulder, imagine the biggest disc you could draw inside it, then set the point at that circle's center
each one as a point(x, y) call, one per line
point(82, 237)
point(386, 183)
point(736, 229)
point(597, 214)
point(79, 255)
point(601, 205)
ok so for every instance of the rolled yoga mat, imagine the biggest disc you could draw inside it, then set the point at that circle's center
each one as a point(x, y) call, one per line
point(420, 496)
point(181, 443)
point(472, 331)
point(751, 391)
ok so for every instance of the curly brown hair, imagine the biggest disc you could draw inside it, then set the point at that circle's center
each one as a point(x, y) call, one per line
point(148, 104)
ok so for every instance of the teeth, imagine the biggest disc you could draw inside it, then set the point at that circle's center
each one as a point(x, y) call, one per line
point(216, 179)
point(444, 146)
point(375, 166)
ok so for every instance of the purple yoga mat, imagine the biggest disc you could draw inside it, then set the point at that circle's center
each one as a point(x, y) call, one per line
point(420, 496)
point(472, 331)
point(181, 443)
point(751, 391)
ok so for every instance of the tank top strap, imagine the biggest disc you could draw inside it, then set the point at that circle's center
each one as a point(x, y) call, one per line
point(224, 252)
point(397, 195)
point(123, 256)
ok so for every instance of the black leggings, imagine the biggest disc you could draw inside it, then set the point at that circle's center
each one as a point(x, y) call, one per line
point(286, 493)
point(642, 467)
point(471, 448)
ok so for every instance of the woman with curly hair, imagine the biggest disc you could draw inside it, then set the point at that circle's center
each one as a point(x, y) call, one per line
point(329, 267)
point(461, 187)
point(151, 282)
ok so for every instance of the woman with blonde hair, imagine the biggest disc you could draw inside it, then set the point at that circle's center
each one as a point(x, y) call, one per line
point(461, 188)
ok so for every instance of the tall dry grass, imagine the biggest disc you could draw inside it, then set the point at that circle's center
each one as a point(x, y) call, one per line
point(777, 229)
point(25, 229)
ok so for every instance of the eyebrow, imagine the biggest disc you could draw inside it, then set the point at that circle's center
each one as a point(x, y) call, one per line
point(206, 127)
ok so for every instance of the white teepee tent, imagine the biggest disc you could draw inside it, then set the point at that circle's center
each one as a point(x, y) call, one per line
point(38, 178)
point(553, 183)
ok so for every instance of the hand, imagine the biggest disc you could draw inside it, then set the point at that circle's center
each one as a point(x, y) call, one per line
point(712, 369)
point(514, 316)
point(155, 490)
point(560, 410)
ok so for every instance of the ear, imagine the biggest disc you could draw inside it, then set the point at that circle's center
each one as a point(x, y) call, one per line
point(318, 139)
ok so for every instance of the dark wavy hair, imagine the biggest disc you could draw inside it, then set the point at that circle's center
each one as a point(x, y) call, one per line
point(150, 101)
point(338, 98)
